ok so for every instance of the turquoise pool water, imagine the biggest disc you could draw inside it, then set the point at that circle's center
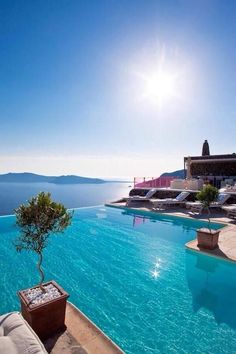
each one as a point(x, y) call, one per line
point(131, 274)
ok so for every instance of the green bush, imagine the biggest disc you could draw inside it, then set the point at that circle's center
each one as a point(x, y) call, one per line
point(206, 196)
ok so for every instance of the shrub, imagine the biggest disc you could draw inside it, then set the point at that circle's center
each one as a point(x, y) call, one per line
point(206, 196)
point(37, 220)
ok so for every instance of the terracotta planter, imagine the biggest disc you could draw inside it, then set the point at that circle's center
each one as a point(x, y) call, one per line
point(208, 239)
point(46, 318)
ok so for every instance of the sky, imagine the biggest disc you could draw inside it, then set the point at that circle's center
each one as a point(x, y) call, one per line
point(115, 88)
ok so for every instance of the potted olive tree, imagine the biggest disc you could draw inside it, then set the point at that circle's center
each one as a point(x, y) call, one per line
point(43, 306)
point(207, 238)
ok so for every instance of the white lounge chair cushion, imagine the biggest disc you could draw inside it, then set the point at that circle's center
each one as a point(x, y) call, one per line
point(19, 336)
point(139, 197)
point(222, 197)
point(182, 196)
point(178, 200)
point(150, 193)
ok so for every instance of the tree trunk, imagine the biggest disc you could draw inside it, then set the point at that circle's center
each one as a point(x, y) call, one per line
point(41, 271)
point(209, 220)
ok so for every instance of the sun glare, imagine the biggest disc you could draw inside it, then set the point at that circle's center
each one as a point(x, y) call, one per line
point(159, 87)
point(161, 78)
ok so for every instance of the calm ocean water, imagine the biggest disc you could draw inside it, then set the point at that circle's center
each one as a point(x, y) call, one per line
point(72, 195)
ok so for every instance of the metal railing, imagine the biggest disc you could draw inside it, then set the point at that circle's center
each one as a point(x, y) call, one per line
point(153, 182)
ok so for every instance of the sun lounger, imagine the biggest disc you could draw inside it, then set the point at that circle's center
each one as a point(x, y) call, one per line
point(161, 203)
point(231, 213)
point(197, 207)
point(231, 210)
point(137, 198)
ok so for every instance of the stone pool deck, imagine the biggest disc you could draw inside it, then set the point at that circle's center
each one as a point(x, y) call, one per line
point(81, 336)
point(227, 238)
point(227, 244)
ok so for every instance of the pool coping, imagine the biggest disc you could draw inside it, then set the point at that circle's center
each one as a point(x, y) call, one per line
point(84, 207)
point(89, 336)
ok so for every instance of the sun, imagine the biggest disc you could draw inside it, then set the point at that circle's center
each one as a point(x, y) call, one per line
point(159, 87)
point(160, 80)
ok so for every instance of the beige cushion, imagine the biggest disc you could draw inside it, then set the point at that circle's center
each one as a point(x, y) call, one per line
point(1, 331)
point(20, 334)
point(7, 346)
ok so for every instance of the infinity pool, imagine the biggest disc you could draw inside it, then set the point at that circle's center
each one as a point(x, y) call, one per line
point(131, 274)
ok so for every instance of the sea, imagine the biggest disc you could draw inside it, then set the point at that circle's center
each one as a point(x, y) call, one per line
point(71, 195)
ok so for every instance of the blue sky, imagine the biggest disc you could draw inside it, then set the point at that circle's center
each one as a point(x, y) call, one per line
point(73, 84)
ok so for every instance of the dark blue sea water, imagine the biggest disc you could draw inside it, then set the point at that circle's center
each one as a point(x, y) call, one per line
point(72, 195)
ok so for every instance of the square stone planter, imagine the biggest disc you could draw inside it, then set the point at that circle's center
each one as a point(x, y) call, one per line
point(208, 238)
point(48, 317)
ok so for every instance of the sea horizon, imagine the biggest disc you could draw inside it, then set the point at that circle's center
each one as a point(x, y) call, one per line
point(71, 195)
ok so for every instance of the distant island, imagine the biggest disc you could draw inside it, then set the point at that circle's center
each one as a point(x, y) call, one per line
point(178, 174)
point(27, 177)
